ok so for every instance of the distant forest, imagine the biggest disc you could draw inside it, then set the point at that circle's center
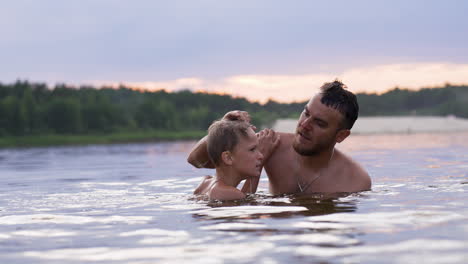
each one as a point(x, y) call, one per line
point(34, 108)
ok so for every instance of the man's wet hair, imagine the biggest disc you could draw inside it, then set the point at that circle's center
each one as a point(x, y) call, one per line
point(335, 95)
point(224, 135)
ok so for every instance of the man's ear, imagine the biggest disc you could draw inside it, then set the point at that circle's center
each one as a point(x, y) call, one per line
point(342, 135)
point(226, 157)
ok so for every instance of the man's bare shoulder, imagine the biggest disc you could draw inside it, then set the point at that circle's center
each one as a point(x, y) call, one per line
point(280, 166)
point(358, 175)
point(286, 140)
point(280, 151)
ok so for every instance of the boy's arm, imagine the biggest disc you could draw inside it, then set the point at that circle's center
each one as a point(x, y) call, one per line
point(268, 140)
point(198, 157)
point(250, 185)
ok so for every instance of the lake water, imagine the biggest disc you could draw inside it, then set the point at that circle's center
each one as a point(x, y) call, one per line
point(132, 203)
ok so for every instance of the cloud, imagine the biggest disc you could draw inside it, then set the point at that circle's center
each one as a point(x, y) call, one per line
point(65, 41)
point(289, 88)
point(412, 76)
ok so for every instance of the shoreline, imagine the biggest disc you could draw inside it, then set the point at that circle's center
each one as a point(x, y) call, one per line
point(379, 125)
point(393, 125)
point(47, 140)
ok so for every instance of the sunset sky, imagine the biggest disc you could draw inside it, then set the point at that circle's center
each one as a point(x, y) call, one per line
point(282, 50)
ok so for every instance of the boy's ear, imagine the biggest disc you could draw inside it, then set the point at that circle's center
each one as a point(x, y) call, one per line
point(226, 157)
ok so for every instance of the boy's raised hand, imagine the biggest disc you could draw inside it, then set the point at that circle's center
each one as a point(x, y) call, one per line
point(268, 140)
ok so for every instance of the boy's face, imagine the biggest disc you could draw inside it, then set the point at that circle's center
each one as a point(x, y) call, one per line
point(246, 157)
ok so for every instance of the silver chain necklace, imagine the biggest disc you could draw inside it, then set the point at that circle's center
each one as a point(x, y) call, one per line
point(316, 178)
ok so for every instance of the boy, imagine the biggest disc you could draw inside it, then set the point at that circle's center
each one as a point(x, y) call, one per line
point(233, 149)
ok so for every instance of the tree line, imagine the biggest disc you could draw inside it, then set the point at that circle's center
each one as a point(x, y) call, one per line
point(34, 108)
point(441, 101)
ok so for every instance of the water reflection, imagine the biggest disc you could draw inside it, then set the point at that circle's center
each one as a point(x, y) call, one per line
point(133, 204)
point(283, 206)
point(320, 204)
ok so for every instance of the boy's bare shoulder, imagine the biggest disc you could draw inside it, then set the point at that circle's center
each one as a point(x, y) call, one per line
point(220, 192)
point(202, 188)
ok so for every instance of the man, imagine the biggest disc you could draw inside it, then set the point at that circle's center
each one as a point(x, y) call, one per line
point(307, 161)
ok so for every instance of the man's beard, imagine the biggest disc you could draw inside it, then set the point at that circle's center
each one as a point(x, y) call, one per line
point(308, 151)
point(314, 150)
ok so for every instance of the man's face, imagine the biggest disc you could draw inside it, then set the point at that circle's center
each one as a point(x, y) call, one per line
point(317, 128)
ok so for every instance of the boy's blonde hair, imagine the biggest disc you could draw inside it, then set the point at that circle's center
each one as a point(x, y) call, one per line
point(224, 135)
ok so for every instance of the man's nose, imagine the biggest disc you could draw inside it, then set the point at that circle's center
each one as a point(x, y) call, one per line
point(306, 123)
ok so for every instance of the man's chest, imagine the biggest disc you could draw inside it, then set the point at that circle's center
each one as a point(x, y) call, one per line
point(288, 177)
point(282, 174)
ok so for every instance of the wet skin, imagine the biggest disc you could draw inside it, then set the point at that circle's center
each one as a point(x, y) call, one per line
point(331, 171)
point(243, 162)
